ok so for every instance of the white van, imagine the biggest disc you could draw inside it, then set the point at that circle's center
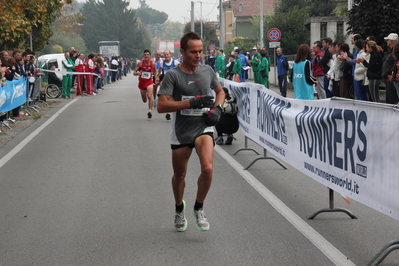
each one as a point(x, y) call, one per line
point(47, 60)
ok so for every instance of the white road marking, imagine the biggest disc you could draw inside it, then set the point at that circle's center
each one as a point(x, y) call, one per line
point(23, 143)
point(318, 240)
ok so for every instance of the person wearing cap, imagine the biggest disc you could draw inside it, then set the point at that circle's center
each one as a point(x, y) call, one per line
point(389, 62)
point(256, 58)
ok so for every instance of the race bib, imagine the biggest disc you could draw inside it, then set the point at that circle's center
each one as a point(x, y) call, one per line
point(145, 75)
point(193, 112)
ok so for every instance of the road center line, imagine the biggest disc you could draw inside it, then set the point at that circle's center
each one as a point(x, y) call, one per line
point(318, 240)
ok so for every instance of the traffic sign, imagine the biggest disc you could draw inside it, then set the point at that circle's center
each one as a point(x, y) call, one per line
point(274, 35)
point(212, 47)
point(274, 44)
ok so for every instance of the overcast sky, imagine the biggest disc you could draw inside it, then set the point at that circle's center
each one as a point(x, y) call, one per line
point(179, 10)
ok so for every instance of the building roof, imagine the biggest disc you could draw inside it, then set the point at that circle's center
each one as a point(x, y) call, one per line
point(249, 8)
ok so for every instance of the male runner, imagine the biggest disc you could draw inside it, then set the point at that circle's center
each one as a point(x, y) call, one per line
point(167, 64)
point(158, 65)
point(145, 69)
point(185, 91)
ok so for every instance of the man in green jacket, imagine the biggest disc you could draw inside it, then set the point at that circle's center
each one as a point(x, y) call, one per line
point(256, 58)
point(220, 64)
point(69, 65)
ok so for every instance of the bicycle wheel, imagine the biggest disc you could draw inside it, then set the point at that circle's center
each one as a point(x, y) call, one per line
point(52, 91)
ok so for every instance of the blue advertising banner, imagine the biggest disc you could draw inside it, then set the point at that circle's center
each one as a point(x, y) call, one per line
point(13, 94)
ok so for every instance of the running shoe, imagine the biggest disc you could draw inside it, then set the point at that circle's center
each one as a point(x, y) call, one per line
point(167, 116)
point(149, 114)
point(201, 221)
point(180, 220)
point(229, 140)
point(219, 140)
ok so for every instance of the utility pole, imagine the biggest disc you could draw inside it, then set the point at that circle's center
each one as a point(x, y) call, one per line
point(221, 25)
point(192, 16)
point(261, 24)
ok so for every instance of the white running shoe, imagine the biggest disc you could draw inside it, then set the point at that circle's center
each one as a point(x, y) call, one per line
point(180, 220)
point(201, 221)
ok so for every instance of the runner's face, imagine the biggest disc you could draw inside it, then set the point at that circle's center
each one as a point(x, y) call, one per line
point(192, 55)
point(147, 56)
point(167, 56)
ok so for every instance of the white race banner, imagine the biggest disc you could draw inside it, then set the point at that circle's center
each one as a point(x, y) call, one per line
point(349, 146)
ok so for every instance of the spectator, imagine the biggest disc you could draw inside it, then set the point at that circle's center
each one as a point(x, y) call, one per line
point(374, 70)
point(53, 78)
point(325, 63)
point(80, 78)
point(264, 69)
point(360, 70)
point(317, 69)
point(237, 67)
point(301, 79)
point(244, 63)
point(255, 61)
point(387, 66)
point(346, 80)
point(220, 64)
point(282, 70)
point(229, 68)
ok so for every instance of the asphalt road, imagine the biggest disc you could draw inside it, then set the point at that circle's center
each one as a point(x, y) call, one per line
point(90, 185)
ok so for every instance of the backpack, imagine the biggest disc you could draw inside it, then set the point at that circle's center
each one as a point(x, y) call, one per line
point(230, 106)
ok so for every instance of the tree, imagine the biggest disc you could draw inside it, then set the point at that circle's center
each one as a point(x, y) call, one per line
point(208, 33)
point(173, 31)
point(111, 20)
point(322, 8)
point(374, 17)
point(27, 17)
point(149, 15)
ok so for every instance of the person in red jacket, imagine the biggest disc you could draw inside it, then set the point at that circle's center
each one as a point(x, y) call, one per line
point(317, 69)
point(90, 67)
point(80, 79)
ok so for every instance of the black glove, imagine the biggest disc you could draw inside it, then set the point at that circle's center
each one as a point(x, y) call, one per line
point(213, 116)
point(201, 101)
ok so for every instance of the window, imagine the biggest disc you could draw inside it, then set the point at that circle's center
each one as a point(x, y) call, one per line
point(323, 30)
point(240, 6)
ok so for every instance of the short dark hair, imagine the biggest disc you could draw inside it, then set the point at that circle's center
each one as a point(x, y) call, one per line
point(327, 40)
point(147, 51)
point(187, 37)
point(318, 44)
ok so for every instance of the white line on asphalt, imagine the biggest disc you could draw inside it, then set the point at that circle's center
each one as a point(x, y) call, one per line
point(318, 240)
point(23, 143)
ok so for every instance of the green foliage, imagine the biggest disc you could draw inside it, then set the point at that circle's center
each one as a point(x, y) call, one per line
point(65, 43)
point(112, 20)
point(173, 31)
point(322, 8)
point(374, 17)
point(55, 49)
point(243, 43)
point(283, 6)
point(149, 15)
point(290, 23)
point(26, 17)
point(208, 33)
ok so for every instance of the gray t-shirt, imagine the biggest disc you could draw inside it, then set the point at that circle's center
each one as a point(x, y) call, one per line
point(187, 125)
